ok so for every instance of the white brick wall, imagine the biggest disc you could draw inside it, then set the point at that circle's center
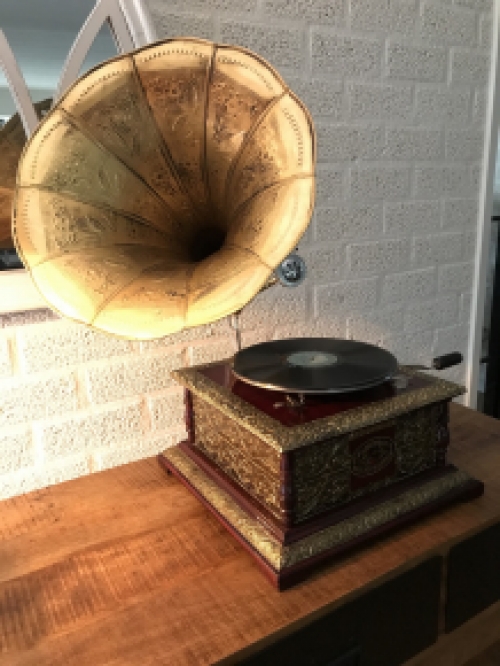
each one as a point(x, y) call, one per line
point(397, 90)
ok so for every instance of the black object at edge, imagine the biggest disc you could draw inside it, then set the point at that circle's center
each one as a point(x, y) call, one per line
point(492, 384)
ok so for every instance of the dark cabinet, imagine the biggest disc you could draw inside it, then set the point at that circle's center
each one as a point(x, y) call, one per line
point(384, 627)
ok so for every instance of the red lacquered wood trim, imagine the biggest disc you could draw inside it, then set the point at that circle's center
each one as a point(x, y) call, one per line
point(285, 490)
point(189, 414)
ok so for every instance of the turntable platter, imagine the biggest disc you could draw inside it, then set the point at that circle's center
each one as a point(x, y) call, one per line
point(314, 365)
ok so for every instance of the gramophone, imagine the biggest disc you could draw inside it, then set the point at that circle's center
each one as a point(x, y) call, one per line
point(165, 190)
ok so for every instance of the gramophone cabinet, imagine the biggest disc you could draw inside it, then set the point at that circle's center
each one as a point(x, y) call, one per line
point(299, 483)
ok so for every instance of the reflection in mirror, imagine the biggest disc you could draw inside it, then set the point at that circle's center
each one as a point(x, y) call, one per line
point(12, 140)
point(40, 35)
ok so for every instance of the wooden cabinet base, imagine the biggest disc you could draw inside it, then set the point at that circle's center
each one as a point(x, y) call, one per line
point(286, 564)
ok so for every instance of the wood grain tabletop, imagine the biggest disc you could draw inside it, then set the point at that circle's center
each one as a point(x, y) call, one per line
point(125, 567)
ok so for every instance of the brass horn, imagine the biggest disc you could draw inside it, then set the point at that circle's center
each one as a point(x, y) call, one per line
point(164, 188)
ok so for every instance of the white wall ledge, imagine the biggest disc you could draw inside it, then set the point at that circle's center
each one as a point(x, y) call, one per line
point(18, 292)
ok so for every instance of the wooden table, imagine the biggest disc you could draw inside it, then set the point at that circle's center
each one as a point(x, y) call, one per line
point(125, 568)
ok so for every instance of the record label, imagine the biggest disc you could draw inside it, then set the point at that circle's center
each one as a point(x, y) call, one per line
point(311, 359)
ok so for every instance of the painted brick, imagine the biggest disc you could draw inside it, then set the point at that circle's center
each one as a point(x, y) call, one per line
point(387, 102)
point(283, 47)
point(409, 286)
point(464, 145)
point(411, 348)
point(26, 401)
point(135, 376)
point(325, 326)
point(484, 5)
point(437, 313)
point(438, 180)
point(448, 25)
point(106, 458)
point(411, 217)
point(348, 142)
point(322, 97)
point(340, 80)
point(378, 257)
point(318, 11)
point(64, 470)
point(212, 351)
point(88, 430)
point(414, 144)
point(438, 249)
point(324, 264)
point(469, 67)
point(460, 213)
point(220, 327)
point(456, 277)
point(170, 23)
point(6, 368)
point(442, 105)
point(277, 305)
point(373, 327)
point(476, 175)
point(387, 16)
point(337, 223)
point(256, 335)
point(27, 317)
point(486, 30)
point(167, 410)
point(351, 56)
point(479, 105)
point(346, 297)
point(450, 339)
point(420, 63)
point(469, 245)
point(158, 7)
point(465, 307)
point(380, 182)
point(18, 483)
point(306, 239)
point(30, 479)
point(63, 343)
point(17, 450)
point(330, 184)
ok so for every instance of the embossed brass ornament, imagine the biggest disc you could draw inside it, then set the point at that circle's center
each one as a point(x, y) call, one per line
point(164, 188)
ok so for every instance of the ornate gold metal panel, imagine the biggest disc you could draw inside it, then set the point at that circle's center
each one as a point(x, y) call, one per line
point(243, 456)
point(283, 438)
point(164, 188)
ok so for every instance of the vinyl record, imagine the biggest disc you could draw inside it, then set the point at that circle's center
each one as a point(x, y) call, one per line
point(314, 365)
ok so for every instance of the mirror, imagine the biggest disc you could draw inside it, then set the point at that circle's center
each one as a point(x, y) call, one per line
point(40, 36)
